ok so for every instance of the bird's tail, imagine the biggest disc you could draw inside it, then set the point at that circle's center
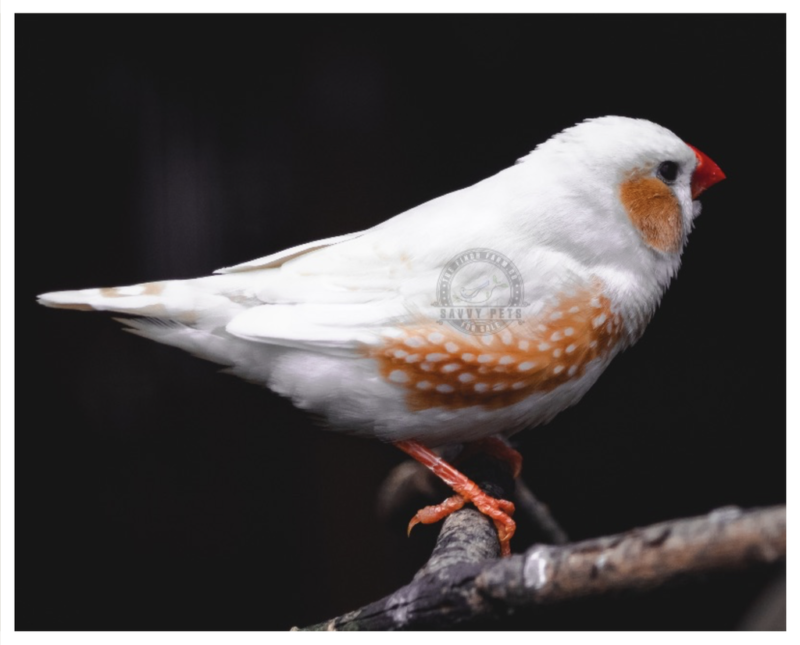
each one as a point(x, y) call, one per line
point(184, 301)
point(140, 299)
point(189, 314)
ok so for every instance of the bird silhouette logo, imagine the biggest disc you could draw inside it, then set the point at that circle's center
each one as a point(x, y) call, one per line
point(482, 293)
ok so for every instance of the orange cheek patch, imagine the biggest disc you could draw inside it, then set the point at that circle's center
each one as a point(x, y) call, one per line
point(655, 211)
point(441, 367)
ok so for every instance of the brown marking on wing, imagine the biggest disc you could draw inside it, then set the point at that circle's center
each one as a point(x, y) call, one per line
point(153, 288)
point(148, 289)
point(441, 367)
point(654, 210)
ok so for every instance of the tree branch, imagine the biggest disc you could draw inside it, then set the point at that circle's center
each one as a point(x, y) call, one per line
point(460, 583)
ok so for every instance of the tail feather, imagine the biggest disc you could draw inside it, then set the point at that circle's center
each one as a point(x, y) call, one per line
point(252, 362)
point(143, 299)
point(172, 299)
point(204, 344)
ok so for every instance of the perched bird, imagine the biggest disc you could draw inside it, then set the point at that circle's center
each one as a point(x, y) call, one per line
point(571, 248)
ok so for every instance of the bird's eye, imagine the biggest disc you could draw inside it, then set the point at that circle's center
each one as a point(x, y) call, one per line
point(668, 171)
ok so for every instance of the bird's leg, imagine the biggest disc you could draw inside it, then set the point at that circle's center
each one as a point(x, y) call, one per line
point(499, 510)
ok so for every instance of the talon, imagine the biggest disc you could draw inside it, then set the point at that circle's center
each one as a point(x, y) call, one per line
point(432, 514)
point(506, 506)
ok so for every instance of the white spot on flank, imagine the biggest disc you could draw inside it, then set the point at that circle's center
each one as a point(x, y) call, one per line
point(436, 357)
point(506, 337)
point(451, 367)
point(451, 347)
point(557, 335)
point(506, 360)
point(574, 310)
point(444, 388)
point(436, 338)
point(558, 369)
point(557, 352)
point(571, 371)
point(481, 387)
point(467, 357)
point(599, 320)
point(499, 387)
point(424, 385)
point(569, 331)
point(484, 358)
point(135, 290)
point(524, 345)
point(399, 353)
point(571, 348)
point(527, 365)
point(556, 315)
point(413, 342)
point(488, 339)
point(595, 302)
point(413, 358)
point(543, 347)
point(427, 366)
point(518, 385)
point(593, 344)
point(466, 377)
point(398, 376)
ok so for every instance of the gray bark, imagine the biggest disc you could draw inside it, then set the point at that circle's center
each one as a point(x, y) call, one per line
point(464, 581)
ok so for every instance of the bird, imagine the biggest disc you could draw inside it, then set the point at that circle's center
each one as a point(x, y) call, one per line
point(373, 331)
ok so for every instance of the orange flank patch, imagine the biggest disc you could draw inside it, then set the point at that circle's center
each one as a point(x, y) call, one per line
point(655, 211)
point(442, 367)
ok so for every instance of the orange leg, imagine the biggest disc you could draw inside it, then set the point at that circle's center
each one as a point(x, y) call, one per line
point(499, 510)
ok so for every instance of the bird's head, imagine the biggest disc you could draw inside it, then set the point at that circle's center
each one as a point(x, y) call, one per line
point(640, 172)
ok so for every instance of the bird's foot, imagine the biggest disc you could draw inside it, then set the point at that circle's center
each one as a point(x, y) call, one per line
point(499, 510)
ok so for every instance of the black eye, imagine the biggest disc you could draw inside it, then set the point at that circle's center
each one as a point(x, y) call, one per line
point(668, 171)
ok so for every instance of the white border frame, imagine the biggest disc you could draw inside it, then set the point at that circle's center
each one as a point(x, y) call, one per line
point(7, 266)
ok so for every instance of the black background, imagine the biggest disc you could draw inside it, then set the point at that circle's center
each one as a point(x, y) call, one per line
point(154, 493)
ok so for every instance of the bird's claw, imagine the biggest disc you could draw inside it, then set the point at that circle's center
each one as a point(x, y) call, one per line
point(499, 510)
point(432, 514)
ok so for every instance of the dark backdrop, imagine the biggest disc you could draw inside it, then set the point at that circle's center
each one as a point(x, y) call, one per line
point(154, 493)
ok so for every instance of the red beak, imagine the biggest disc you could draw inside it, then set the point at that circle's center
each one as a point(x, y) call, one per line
point(706, 174)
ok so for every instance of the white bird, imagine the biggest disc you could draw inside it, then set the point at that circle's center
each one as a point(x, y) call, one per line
point(360, 329)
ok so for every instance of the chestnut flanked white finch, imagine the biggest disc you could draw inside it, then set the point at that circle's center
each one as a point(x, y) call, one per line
point(465, 319)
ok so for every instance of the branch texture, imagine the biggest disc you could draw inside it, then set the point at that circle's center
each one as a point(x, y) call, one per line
point(462, 582)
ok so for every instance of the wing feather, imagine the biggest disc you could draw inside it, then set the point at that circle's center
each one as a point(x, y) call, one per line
point(277, 259)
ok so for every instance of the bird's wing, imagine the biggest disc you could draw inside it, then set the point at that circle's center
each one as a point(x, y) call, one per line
point(277, 259)
point(336, 299)
point(339, 296)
